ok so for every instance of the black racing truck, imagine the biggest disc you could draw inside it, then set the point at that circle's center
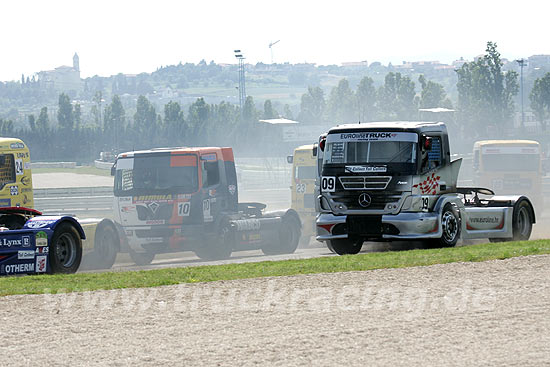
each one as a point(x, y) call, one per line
point(177, 199)
point(386, 181)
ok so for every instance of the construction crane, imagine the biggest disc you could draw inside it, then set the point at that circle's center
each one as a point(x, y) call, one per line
point(271, 44)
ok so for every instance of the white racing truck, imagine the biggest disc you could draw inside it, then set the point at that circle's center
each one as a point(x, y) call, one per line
point(390, 181)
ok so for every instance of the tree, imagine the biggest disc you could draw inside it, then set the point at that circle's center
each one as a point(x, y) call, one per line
point(174, 123)
point(198, 116)
point(485, 92)
point(342, 106)
point(312, 106)
point(366, 99)
point(32, 122)
point(269, 112)
point(42, 124)
point(114, 121)
point(77, 114)
point(395, 99)
point(432, 94)
point(250, 114)
point(145, 119)
point(65, 116)
point(540, 99)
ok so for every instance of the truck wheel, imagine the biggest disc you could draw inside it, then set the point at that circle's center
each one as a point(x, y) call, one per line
point(522, 222)
point(65, 252)
point(450, 226)
point(105, 248)
point(141, 258)
point(346, 246)
point(289, 237)
point(219, 246)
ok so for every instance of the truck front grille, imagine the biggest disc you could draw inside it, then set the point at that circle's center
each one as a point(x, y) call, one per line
point(379, 199)
point(365, 182)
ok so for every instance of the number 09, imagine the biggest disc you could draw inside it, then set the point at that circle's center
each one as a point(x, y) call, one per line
point(328, 184)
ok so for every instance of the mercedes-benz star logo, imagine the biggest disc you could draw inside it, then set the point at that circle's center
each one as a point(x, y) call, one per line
point(364, 200)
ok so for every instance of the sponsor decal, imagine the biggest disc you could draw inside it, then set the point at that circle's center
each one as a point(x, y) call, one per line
point(147, 198)
point(26, 241)
point(365, 169)
point(39, 223)
point(14, 190)
point(18, 167)
point(492, 220)
point(19, 268)
point(41, 239)
point(429, 184)
point(25, 254)
point(42, 250)
point(11, 242)
point(212, 192)
point(41, 262)
point(373, 136)
point(402, 182)
point(247, 224)
point(128, 209)
point(206, 211)
point(25, 180)
point(5, 202)
point(184, 196)
point(125, 199)
point(17, 145)
point(154, 239)
point(153, 206)
point(232, 189)
point(22, 154)
point(208, 157)
point(26, 189)
point(155, 222)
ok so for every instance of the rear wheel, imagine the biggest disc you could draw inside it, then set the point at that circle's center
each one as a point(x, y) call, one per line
point(346, 246)
point(218, 246)
point(522, 222)
point(289, 237)
point(65, 252)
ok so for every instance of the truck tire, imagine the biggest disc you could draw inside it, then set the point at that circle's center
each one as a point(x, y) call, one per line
point(450, 226)
point(345, 246)
point(289, 237)
point(65, 252)
point(141, 258)
point(105, 248)
point(522, 221)
point(218, 246)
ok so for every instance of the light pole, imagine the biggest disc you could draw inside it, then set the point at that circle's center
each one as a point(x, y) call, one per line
point(242, 90)
point(521, 63)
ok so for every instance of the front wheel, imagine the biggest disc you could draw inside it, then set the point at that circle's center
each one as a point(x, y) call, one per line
point(218, 246)
point(105, 248)
point(347, 246)
point(65, 251)
point(450, 227)
point(141, 258)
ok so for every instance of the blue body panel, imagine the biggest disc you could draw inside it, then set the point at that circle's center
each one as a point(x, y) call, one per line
point(26, 250)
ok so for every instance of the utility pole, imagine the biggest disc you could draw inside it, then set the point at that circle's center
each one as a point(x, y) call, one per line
point(521, 63)
point(271, 44)
point(242, 88)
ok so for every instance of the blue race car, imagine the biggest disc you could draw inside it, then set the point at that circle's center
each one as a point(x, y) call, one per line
point(31, 243)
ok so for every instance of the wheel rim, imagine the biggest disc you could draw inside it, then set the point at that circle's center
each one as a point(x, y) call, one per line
point(450, 226)
point(523, 222)
point(65, 250)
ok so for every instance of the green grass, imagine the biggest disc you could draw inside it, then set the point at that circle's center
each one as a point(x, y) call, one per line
point(89, 170)
point(38, 284)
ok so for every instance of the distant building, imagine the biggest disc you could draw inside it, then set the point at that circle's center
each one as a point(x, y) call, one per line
point(538, 61)
point(63, 78)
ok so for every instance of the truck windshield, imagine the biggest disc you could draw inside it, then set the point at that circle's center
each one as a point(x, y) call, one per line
point(156, 174)
point(370, 152)
point(511, 162)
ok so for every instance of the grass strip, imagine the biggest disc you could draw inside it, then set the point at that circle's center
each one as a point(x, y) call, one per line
point(38, 284)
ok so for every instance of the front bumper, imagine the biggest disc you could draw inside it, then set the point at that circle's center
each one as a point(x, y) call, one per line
point(402, 226)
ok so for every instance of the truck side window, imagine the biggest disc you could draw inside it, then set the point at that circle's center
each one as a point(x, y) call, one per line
point(7, 169)
point(432, 159)
point(212, 173)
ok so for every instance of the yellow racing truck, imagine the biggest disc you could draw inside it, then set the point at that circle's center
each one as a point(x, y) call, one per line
point(101, 243)
point(510, 167)
point(302, 186)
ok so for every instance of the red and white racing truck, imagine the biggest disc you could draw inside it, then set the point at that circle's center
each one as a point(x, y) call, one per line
point(176, 199)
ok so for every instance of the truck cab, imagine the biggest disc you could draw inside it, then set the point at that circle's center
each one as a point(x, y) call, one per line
point(15, 174)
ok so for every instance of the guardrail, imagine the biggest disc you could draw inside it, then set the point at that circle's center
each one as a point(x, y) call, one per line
point(75, 200)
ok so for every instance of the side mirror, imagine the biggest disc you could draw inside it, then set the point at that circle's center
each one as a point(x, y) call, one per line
point(113, 170)
point(322, 143)
point(315, 150)
point(289, 159)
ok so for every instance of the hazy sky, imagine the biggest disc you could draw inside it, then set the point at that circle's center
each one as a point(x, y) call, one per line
point(139, 36)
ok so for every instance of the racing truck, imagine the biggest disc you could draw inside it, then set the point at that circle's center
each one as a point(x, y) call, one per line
point(387, 181)
point(31, 243)
point(179, 199)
